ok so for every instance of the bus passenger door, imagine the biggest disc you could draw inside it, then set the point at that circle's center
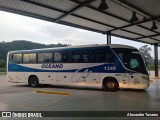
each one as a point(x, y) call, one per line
point(136, 80)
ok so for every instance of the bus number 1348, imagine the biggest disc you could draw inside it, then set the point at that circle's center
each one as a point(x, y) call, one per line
point(110, 68)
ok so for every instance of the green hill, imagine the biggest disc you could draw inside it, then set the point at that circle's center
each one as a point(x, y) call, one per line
point(23, 45)
point(5, 47)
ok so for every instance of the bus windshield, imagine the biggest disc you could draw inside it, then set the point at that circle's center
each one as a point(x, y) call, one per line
point(132, 59)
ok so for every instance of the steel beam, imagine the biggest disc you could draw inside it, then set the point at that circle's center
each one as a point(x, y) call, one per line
point(75, 9)
point(127, 38)
point(149, 36)
point(65, 13)
point(108, 37)
point(45, 6)
point(135, 7)
point(137, 23)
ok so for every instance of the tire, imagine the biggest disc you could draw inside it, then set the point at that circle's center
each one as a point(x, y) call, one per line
point(33, 81)
point(110, 85)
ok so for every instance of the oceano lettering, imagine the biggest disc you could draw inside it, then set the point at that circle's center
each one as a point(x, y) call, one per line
point(52, 65)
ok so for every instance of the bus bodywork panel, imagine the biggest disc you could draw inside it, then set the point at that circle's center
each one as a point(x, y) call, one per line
point(77, 74)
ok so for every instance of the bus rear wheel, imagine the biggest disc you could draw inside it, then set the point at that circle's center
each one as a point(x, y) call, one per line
point(33, 81)
point(110, 85)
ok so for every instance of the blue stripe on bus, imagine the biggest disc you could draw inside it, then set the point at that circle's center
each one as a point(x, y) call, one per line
point(19, 68)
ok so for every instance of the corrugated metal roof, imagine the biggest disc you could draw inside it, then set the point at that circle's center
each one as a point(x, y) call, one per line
point(86, 15)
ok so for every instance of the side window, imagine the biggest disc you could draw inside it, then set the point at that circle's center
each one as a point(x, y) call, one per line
point(25, 58)
point(98, 56)
point(18, 58)
point(65, 57)
point(11, 58)
point(102, 57)
point(57, 57)
point(120, 55)
point(76, 57)
point(84, 58)
point(40, 57)
point(80, 57)
point(32, 57)
point(48, 57)
point(109, 58)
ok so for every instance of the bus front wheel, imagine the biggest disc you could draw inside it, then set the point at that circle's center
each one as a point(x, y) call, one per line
point(33, 81)
point(110, 85)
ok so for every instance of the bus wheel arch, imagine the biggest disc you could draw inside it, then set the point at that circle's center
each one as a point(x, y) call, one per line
point(33, 81)
point(110, 84)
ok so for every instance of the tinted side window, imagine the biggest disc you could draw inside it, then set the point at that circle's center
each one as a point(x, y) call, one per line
point(65, 57)
point(80, 57)
point(109, 58)
point(11, 58)
point(57, 57)
point(25, 58)
point(32, 58)
point(84, 58)
point(48, 57)
point(18, 58)
point(40, 57)
point(76, 57)
point(102, 57)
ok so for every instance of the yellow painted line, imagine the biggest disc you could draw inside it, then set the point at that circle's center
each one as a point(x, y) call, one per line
point(53, 92)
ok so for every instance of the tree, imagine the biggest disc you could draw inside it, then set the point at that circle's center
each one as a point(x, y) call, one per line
point(145, 51)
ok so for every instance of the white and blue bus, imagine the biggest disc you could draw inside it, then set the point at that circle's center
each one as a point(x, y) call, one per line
point(107, 67)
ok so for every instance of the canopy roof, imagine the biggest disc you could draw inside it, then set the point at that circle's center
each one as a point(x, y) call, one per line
point(85, 14)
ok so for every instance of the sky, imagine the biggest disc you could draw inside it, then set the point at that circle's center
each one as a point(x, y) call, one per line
point(17, 27)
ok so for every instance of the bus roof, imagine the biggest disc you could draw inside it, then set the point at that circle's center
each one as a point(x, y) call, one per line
point(121, 46)
point(74, 47)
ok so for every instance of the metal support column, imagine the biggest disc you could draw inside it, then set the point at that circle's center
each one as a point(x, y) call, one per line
point(108, 37)
point(156, 59)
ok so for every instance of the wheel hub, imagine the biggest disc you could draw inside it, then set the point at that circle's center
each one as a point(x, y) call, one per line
point(110, 85)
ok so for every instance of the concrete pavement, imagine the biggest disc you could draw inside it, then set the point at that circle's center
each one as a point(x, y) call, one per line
point(20, 97)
